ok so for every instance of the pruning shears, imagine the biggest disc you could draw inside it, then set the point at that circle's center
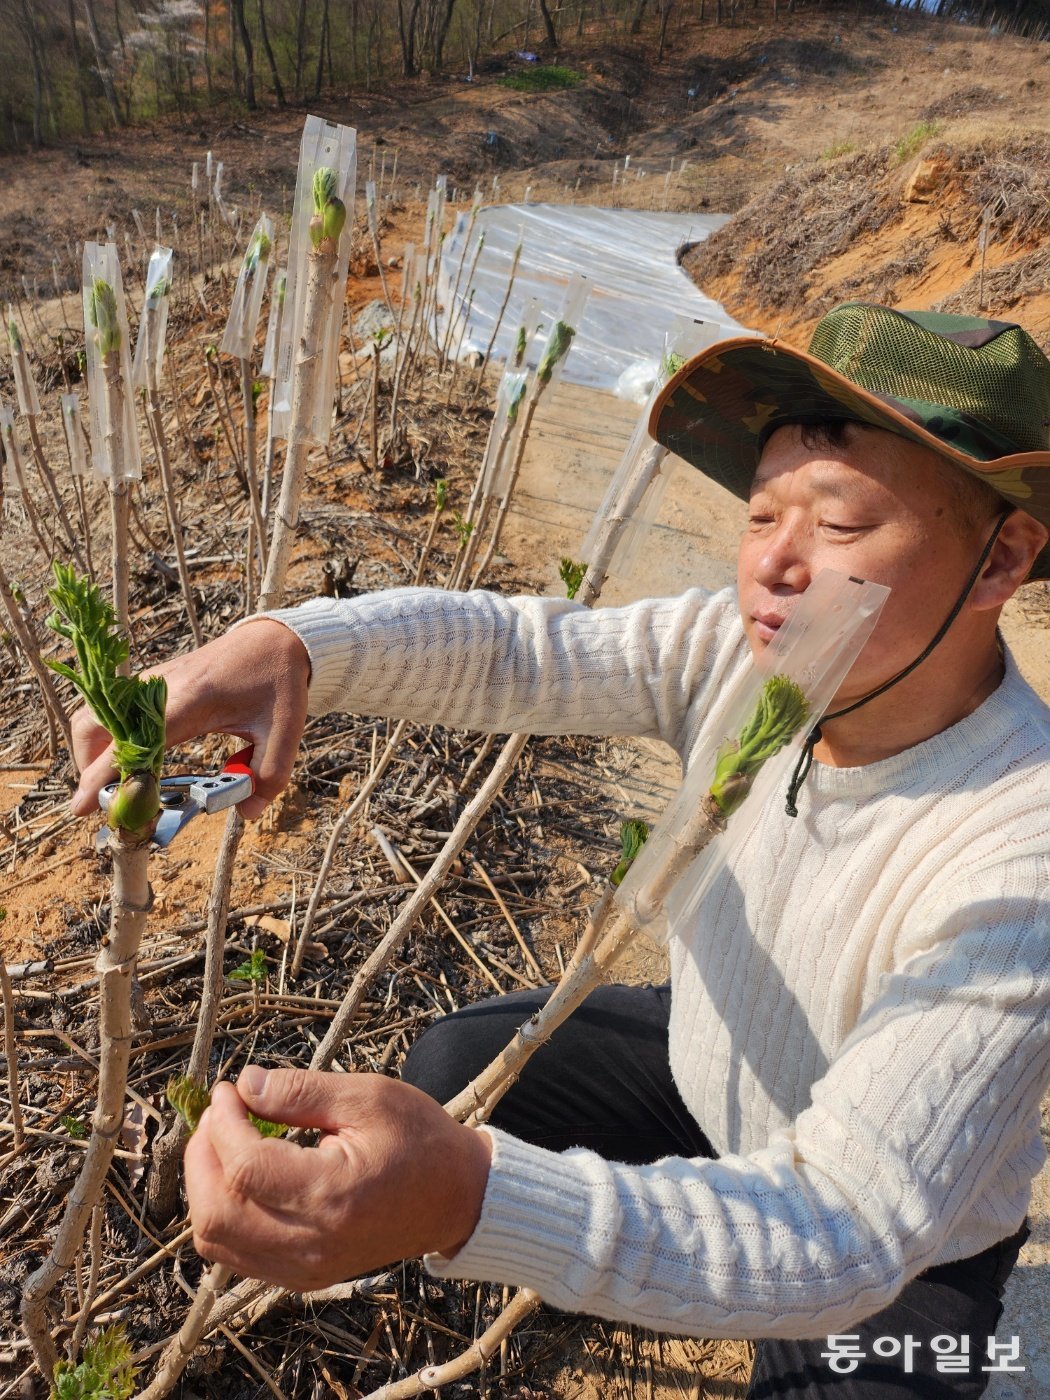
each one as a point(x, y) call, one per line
point(186, 795)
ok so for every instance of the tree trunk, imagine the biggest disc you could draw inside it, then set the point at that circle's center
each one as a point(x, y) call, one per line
point(407, 35)
point(639, 14)
point(548, 25)
point(249, 54)
point(28, 27)
point(85, 111)
point(104, 74)
point(665, 15)
point(300, 49)
point(268, 49)
point(207, 49)
point(325, 39)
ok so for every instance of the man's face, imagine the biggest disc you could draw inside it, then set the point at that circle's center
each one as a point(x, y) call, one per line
point(875, 508)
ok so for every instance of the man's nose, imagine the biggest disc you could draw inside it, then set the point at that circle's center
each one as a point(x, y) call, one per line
point(782, 561)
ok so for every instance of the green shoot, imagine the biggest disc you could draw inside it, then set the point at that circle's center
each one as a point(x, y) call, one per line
point(132, 710)
point(515, 403)
point(671, 364)
point(325, 187)
point(102, 313)
point(463, 528)
point(13, 335)
point(258, 251)
point(557, 349)
point(520, 342)
point(780, 712)
point(633, 836)
point(253, 969)
point(329, 210)
point(75, 1127)
point(440, 494)
point(104, 1372)
point(572, 575)
point(189, 1098)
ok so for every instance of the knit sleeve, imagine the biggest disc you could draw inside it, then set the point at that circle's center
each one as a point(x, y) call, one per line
point(928, 1113)
point(481, 661)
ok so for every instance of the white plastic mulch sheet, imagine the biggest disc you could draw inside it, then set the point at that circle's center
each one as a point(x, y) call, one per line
point(628, 257)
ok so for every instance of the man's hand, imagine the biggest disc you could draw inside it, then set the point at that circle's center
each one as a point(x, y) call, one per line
point(251, 683)
point(392, 1178)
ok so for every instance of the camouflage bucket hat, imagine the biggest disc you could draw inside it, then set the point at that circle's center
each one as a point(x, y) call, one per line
point(975, 391)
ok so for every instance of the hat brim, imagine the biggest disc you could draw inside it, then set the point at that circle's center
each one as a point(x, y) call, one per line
point(718, 410)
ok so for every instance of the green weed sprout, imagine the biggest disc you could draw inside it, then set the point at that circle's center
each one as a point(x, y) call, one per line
point(440, 494)
point(104, 1371)
point(557, 349)
point(253, 969)
point(572, 575)
point(329, 215)
point(132, 710)
point(102, 313)
point(633, 836)
point(189, 1098)
point(780, 712)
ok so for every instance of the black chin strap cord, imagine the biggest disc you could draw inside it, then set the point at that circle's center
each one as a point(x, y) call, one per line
point(805, 758)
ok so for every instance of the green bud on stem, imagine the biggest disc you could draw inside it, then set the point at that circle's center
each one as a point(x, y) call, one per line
point(779, 713)
point(102, 313)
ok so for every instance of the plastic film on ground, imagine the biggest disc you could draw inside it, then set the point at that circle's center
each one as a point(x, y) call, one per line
point(629, 256)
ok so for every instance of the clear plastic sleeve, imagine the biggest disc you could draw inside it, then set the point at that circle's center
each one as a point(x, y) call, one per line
point(246, 304)
point(74, 434)
point(273, 324)
point(109, 366)
point(25, 383)
point(323, 144)
point(683, 339)
point(7, 437)
point(815, 649)
point(153, 326)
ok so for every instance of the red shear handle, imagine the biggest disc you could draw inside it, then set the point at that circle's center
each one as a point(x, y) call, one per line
point(240, 763)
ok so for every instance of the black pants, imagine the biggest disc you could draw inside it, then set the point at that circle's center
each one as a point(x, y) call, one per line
point(603, 1082)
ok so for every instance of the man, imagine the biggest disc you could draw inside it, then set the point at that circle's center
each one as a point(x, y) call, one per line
point(829, 1126)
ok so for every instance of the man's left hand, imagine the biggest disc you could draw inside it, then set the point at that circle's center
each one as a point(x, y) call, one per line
point(392, 1177)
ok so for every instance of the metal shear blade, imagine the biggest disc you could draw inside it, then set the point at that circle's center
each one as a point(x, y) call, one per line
point(187, 795)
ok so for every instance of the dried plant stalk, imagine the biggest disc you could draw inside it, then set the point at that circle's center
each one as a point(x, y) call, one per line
point(11, 1051)
point(167, 480)
point(320, 280)
point(27, 641)
point(521, 1306)
point(612, 527)
point(119, 499)
point(115, 966)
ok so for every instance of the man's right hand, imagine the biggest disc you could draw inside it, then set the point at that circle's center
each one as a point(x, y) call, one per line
point(251, 683)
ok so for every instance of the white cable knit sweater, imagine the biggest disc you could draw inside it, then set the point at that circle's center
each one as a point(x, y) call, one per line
point(859, 1016)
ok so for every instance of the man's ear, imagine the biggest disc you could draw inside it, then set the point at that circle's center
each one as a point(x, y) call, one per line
point(1013, 554)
